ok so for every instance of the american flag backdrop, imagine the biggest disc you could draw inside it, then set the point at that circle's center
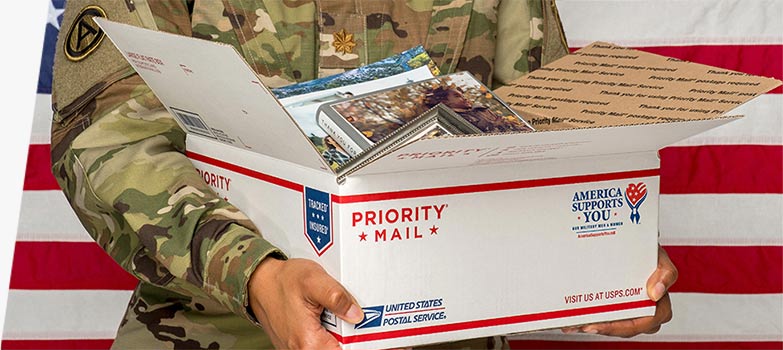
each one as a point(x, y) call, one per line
point(721, 202)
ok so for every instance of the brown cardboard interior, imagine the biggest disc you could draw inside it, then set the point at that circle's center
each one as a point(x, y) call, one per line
point(607, 85)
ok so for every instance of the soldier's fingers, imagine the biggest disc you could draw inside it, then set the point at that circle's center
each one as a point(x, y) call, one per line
point(663, 311)
point(624, 328)
point(654, 330)
point(636, 326)
point(329, 293)
point(569, 330)
point(663, 277)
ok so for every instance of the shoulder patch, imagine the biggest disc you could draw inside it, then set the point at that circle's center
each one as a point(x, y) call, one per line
point(84, 36)
point(85, 62)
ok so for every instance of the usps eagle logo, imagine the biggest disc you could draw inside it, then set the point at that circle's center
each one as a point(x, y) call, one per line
point(372, 317)
point(635, 194)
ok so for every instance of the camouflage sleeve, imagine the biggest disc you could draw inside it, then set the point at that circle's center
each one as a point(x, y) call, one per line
point(530, 35)
point(118, 156)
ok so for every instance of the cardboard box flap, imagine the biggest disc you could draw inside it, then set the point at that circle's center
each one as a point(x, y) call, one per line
point(608, 85)
point(213, 93)
point(455, 152)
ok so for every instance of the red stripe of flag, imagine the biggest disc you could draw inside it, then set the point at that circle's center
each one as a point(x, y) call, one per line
point(549, 344)
point(727, 269)
point(92, 344)
point(761, 60)
point(38, 175)
point(703, 269)
point(66, 265)
point(722, 169)
point(690, 169)
point(684, 170)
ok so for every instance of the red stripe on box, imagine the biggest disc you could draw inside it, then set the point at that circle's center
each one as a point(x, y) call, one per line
point(641, 345)
point(92, 344)
point(245, 171)
point(728, 269)
point(492, 322)
point(761, 60)
point(38, 175)
point(66, 265)
point(722, 169)
point(500, 186)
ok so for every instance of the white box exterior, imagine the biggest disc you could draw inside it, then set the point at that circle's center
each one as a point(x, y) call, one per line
point(495, 249)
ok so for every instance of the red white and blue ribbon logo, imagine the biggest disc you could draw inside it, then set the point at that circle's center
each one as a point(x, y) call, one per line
point(635, 194)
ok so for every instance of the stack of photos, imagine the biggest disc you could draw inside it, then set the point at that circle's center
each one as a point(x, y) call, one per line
point(359, 123)
point(303, 99)
point(438, 121)
point(304, 108)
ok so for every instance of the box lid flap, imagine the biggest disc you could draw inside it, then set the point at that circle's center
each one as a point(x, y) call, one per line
point(213, 93)
point(454, 152)
point(607, 85)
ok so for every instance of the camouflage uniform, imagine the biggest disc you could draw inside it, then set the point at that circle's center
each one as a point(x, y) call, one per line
point(118, 155)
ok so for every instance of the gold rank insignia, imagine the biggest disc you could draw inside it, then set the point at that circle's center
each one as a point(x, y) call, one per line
point(343, 42)
point(84, 36)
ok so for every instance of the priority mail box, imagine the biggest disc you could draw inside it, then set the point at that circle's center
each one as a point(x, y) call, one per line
point(460, 237)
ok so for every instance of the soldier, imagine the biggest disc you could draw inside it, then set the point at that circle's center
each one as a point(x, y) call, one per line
point(208, 278)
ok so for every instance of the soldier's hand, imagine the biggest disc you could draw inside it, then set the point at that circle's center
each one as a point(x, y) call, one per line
point(657, 289)
point(288, 297)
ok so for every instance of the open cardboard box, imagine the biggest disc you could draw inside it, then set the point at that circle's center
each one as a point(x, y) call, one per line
point(459, 237)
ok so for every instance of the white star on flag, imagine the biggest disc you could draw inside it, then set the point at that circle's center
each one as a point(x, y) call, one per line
point(53, 14)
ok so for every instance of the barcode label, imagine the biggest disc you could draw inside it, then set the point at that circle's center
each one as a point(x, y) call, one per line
point(192, 122)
